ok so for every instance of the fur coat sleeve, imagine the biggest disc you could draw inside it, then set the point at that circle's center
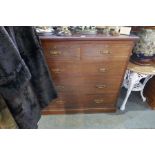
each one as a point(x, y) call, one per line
point(25, 82)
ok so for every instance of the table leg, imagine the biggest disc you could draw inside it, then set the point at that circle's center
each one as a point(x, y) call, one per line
point(144, 83)
point(132, 81)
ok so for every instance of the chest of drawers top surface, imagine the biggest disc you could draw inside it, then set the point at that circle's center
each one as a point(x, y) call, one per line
point(89, 37)
point(87, 71)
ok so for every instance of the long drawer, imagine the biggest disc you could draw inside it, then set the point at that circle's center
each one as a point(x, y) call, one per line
point(87, 80)
point(81, 101)
point(99, 88)
point(71, 68)
point(88, 85)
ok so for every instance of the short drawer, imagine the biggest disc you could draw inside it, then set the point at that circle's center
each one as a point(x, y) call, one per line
point(104, 51)
point(61, 51)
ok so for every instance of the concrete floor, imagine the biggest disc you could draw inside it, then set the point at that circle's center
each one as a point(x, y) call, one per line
point(137, 115)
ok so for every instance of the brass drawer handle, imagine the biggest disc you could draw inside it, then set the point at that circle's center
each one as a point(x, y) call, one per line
point(104, 52)
point(56, 70)
point(99, 101)
point(102, 70)
point(55, 53)
point(59, 102)
point(101, 86)
point(60, 88)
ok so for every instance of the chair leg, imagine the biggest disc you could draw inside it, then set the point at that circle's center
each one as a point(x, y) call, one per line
point(133, 78)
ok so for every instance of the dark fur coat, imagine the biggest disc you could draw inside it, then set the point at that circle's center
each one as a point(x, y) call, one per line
point(25, 82)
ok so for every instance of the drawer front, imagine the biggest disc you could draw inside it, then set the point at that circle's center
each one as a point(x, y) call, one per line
point(86, 80)
point(83, 101)
point(104, 51)
point(61, 51)
point(98, 88)
point(88, 85)
point(108, 68)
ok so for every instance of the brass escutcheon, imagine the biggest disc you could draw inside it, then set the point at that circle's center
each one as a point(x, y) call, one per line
point(60, 87)
point(99, 101)
point(104, 52)
point(102, 70)
point(55, 53)
point(56, 70)
point(59, 102)
point(100, 86)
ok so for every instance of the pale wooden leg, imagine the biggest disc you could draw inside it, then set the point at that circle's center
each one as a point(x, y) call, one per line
point(133, 78)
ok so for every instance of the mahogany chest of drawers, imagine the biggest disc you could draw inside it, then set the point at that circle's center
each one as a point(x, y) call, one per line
point(87, 71)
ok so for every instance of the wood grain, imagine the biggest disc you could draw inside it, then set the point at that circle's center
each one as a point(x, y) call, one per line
point(149, 92)
point(87, 72)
